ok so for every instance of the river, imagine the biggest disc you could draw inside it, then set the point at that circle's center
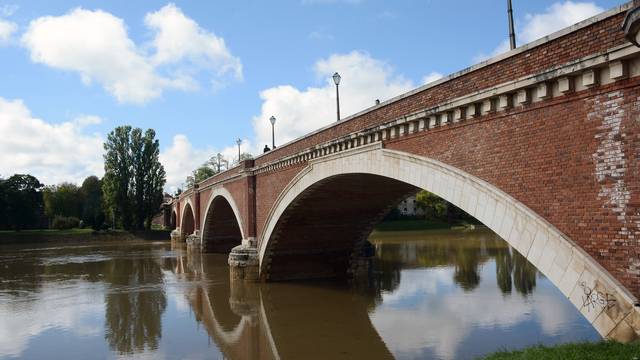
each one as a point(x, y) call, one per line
point(431, 294)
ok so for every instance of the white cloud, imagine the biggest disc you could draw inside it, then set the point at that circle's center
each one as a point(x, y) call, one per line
point(181, 158)
point(51, 152)
point(364, 79)
point(95, 44)
point(7, 28)
point(431, 77)
point(556, 17)
point(179, 37)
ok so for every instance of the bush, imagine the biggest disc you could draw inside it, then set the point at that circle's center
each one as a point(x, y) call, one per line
point(64, 223)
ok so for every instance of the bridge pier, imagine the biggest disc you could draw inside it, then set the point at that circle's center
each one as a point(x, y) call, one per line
point(194, 241)
point(244, 261)
point(175, 235)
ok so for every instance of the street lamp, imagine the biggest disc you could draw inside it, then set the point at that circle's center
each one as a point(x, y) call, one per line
point(219, 161)
point(273, 134)
point(238, 141)
point(336, 80)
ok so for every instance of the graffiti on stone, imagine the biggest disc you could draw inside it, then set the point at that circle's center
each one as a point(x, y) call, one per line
point(593, 298)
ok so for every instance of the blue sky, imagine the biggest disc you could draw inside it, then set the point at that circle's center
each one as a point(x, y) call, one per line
point(205, 73)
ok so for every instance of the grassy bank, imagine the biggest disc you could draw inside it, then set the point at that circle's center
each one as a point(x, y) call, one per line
point(75, 235)
point(44, 232)
point(581, 351)
point(414, 224)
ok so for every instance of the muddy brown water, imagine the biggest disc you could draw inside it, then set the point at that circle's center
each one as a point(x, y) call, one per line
point(431, 294)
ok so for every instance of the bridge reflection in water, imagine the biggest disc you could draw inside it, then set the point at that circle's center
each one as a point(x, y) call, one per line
point(289, 321)
point(327, 320)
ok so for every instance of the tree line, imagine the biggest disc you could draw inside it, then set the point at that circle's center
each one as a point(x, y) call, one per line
point(128, 196)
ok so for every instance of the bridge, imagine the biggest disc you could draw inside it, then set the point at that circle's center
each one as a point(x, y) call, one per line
point(540, 144)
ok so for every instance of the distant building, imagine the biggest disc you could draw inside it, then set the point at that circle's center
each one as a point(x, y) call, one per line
point(409, 207)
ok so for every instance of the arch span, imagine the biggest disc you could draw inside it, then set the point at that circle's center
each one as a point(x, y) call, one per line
point(222, 229)
point(188, 221)
point(389, 173)
point(172, 219)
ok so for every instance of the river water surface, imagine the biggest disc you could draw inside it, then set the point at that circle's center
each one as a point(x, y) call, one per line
point(442, 295)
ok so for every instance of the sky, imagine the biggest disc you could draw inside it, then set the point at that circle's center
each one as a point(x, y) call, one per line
point(205, 73)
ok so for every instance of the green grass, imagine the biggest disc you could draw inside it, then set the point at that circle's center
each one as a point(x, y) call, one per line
point(45, 232)
point(581, 351)
point(402, 225)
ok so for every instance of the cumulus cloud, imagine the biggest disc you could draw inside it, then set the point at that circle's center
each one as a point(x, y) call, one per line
point(51, 152)
point(95, 44)
point(182, 157)
point(179, 37)
point(7, 28)
point(299, 111)
point(556, 17)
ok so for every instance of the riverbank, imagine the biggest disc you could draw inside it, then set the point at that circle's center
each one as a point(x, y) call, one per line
point(79, 235)
point(418, 224)
point(581, 351)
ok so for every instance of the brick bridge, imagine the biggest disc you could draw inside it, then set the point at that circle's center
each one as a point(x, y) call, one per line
point(541, 144)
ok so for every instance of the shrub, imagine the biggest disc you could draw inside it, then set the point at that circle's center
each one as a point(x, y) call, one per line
point(63, 223)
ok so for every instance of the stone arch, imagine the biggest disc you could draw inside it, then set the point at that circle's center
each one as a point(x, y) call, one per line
point(574, 272)
point(222, 226)
point(188, 221)
point(173, 219)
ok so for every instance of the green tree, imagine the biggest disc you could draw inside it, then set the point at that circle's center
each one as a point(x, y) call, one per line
point(434, 207)
point(134, 178)
point(3, 205)
point(117, 177)
point(92, 210)
point(64, 199)
point(23, 199)
point(205, 171)
point(154, 179)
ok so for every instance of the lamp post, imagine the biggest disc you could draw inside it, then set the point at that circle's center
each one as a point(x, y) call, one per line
point(219, 161)
point(512, 33)
point(238, 141)
point(336, 80)
point(273, 134)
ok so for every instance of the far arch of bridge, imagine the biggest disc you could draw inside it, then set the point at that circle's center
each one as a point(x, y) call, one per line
point(183, 214)
point(224, 193)
point(568, 267)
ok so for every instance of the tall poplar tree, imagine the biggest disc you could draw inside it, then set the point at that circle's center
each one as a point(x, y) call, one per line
point(134, 178)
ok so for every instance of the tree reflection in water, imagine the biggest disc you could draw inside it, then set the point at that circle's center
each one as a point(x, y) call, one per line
point(134, 304)
point(465, 252)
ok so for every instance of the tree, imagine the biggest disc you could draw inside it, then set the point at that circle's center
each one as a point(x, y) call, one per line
point(203, 172)
point(117, 177)
point(3, 206)
point(92, 210)
point(23, 200)
point(432, 205)
point(134, 178)
point(64, 199)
